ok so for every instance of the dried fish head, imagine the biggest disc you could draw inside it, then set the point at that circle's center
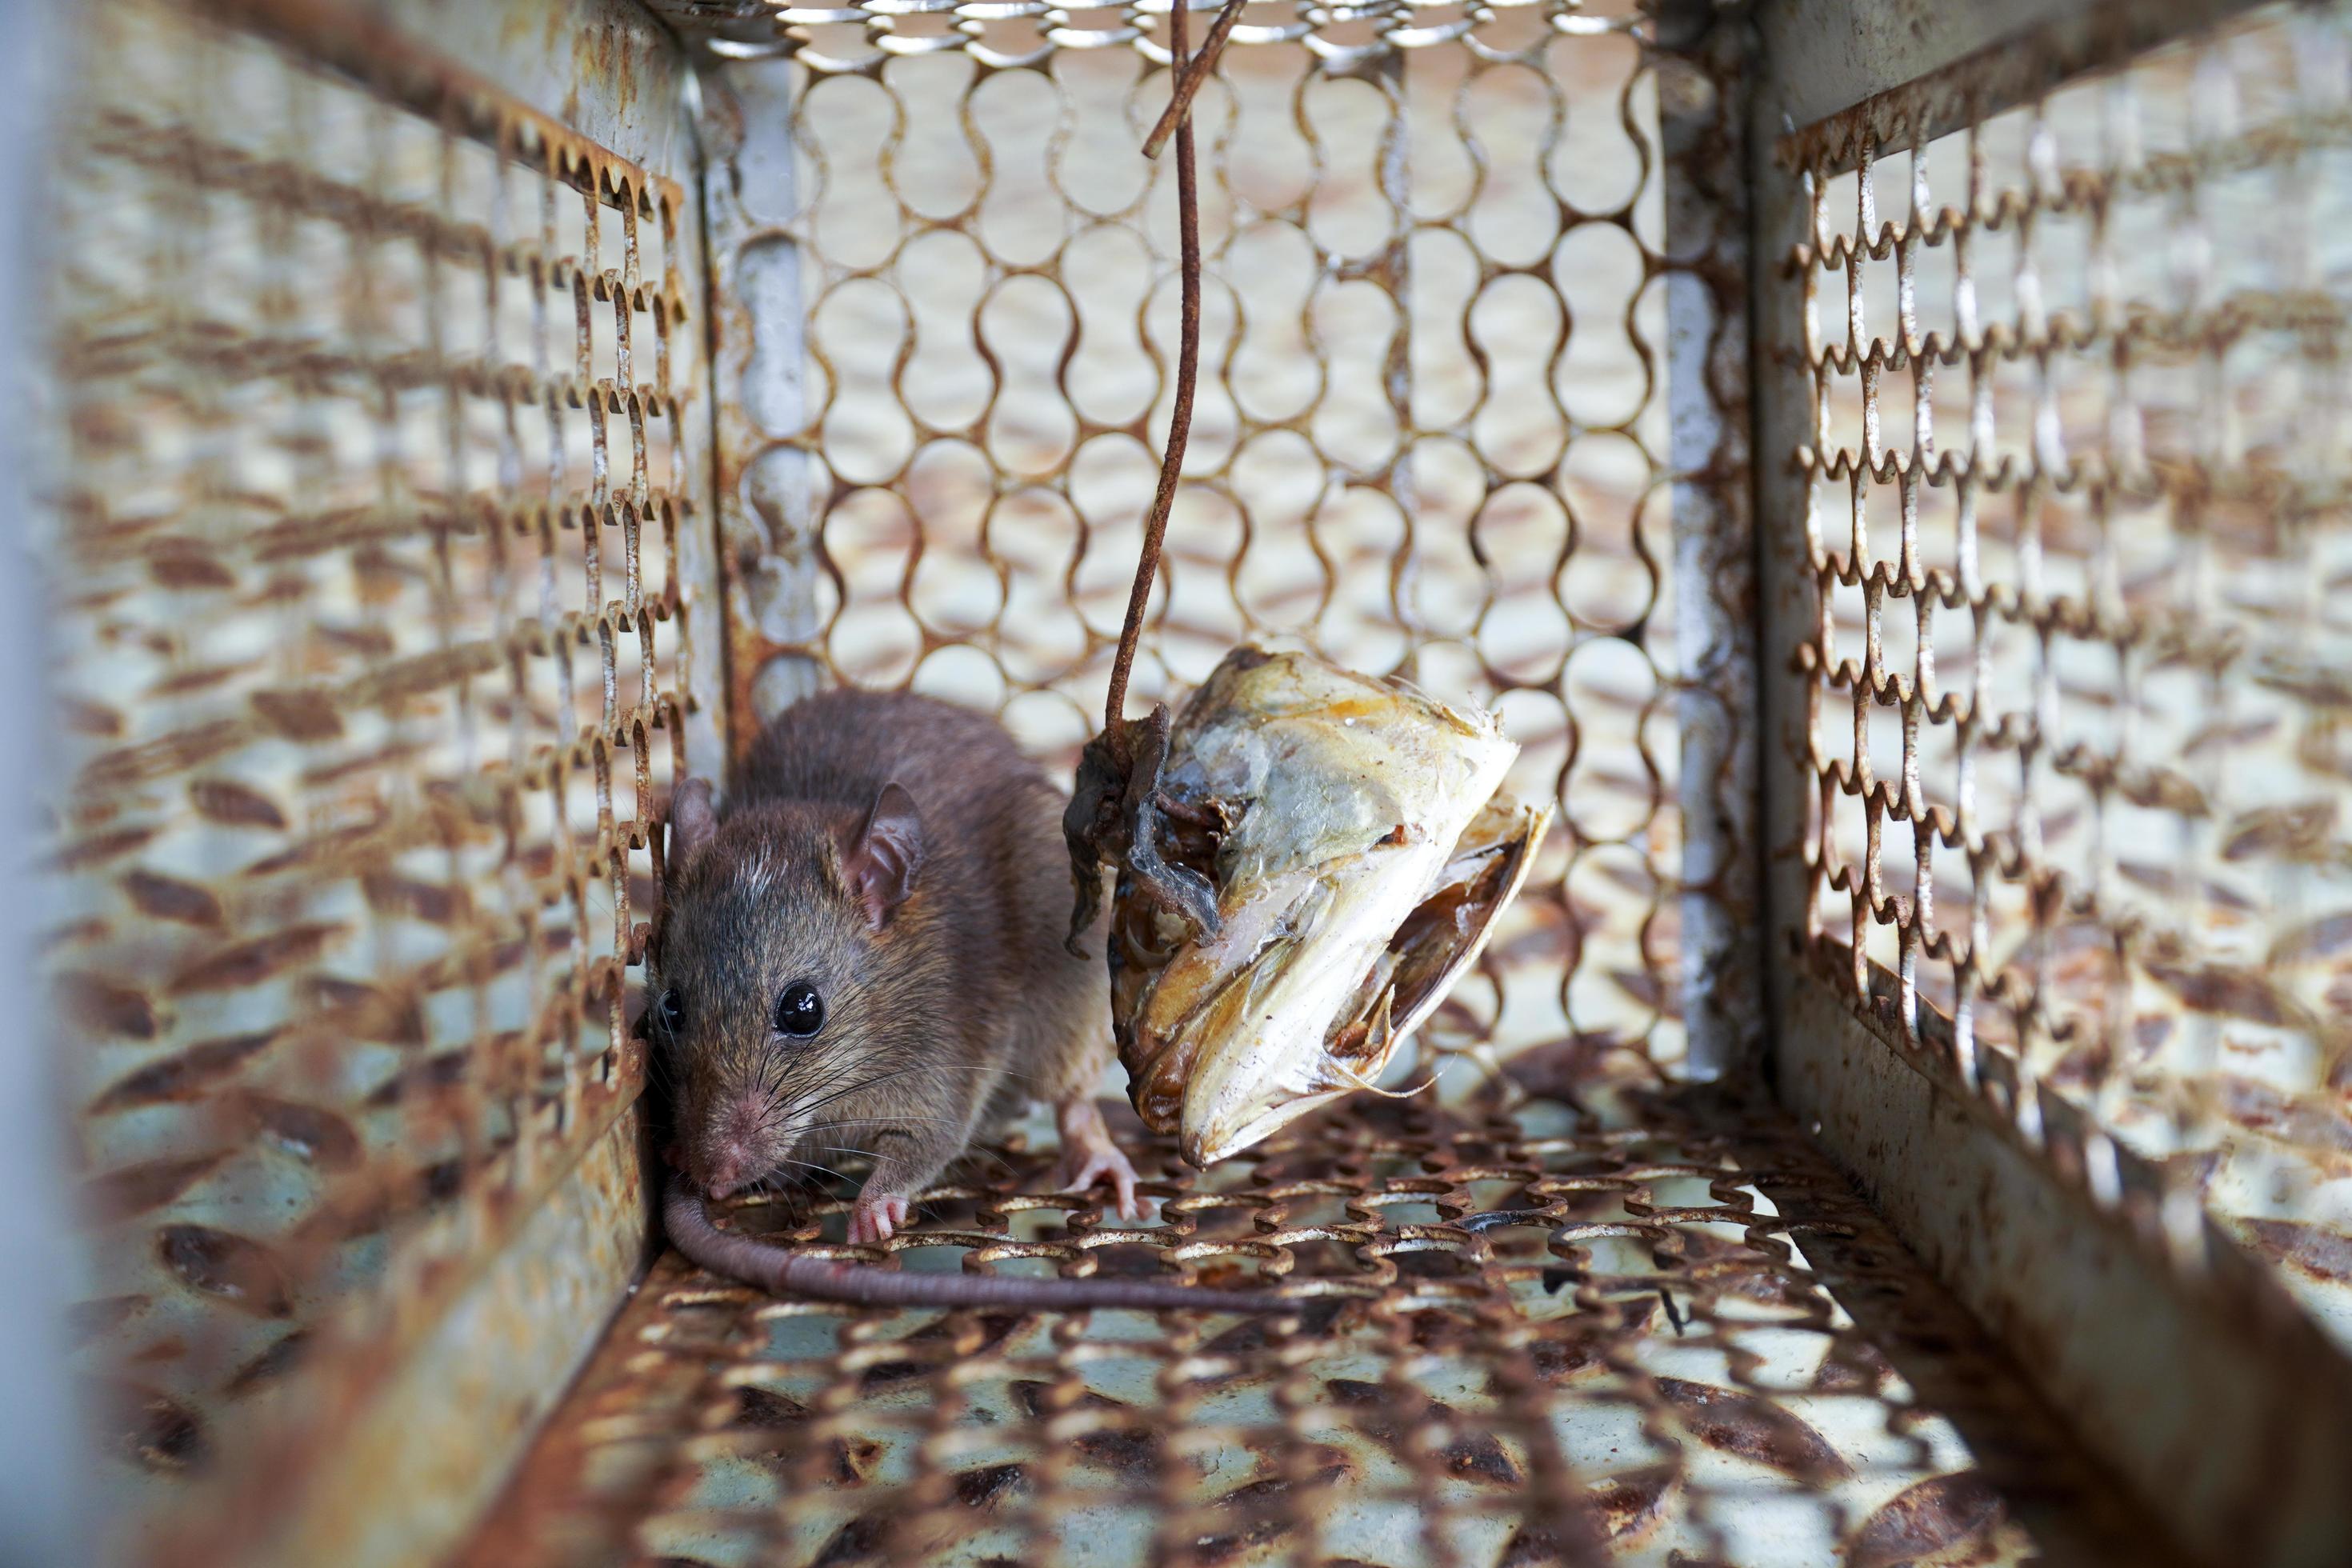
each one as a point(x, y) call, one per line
point(1360, 853)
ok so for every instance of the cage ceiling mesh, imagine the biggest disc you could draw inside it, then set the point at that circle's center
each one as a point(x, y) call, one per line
point(859, 37)
point(2080, 752)
point(368, 646)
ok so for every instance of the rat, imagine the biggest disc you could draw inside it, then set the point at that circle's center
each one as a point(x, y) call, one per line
point(864, 954)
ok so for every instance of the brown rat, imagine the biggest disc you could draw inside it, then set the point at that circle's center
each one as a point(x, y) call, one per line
point(864, 954)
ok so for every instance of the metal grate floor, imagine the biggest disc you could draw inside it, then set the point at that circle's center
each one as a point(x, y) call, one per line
point(1525, 1336)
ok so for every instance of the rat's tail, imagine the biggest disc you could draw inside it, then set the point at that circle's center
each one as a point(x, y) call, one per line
point(782, 1273)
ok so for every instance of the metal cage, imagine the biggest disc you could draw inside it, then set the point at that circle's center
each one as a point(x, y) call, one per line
point(1905, 1119)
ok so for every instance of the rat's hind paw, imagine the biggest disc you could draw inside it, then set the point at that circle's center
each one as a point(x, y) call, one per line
point(875, 1218)
point(1088, 1155)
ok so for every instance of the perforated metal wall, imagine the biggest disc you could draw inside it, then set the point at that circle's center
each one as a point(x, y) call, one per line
point(372, 653)
point(1431, 433)
point(2078, 478)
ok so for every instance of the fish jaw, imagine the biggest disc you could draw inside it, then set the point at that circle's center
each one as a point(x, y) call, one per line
point(1351, 800)
point(1264, 1065)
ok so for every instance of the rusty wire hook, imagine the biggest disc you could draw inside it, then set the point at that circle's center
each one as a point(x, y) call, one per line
point(1115, 803)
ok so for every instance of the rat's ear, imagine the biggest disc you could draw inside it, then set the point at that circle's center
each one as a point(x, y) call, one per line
point(691, 821)
point(880, 862)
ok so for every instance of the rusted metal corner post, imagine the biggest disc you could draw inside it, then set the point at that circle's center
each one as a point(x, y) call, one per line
point(1702, 63)
point(765, 472)
point(423, 280)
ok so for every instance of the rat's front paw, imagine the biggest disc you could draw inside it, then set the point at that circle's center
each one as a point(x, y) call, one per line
point(1089, 1154)
point(875, 1218)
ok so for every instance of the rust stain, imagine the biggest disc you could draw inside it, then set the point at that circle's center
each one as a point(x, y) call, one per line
point(311, 1134)
point(439, 903)
point(233, 805)
point(155, 1430)
point(854, 1542)
point(170, 899)
point(101, 1006)
point(1477, 1456)
point(82, 854)
point(233, 1268)
point(2233, 993)
point(283, 1355)
point(186, 563)
point(94, 719)
point(763, 1409)
point(984, 1489)
point(855, 1459)
point(257, 959)
point(150, 1184)
point(2323, 1252)
point(365, 1012)
point(1754, 1429)
point(1930, 1521)
point(163, 757)
point(1130, 1448)
point(304, 716)
point(1627, 1507)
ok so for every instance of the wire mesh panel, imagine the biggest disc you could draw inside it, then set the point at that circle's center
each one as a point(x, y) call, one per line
point(1521, 1340)
point(1431, 433)
point(372, 649)
point(2079, 772)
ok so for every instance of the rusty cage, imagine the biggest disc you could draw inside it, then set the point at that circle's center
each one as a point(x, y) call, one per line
point(1887, 463)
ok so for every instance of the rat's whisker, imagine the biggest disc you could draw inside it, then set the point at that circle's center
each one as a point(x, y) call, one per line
point(880, 1079)
point(819, 1103)
point(882, 1122)
point(812, 1165)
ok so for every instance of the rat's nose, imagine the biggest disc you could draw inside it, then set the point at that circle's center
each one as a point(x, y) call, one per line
point(730, 1143)
point(730, 1168)
point(725, 1171)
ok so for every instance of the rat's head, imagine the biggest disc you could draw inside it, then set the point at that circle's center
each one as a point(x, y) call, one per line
point(768, 988)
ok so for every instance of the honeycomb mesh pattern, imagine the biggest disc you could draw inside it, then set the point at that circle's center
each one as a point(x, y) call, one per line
point(368, 648)
point(2080, 761)
point(1430, 435)
point(1521, 1340)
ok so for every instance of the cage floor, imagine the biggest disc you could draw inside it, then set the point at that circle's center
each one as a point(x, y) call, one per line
point(1526, 1335)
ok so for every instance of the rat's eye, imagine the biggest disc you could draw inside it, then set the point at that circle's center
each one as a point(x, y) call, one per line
point(670, 1011)
point(800, 1010)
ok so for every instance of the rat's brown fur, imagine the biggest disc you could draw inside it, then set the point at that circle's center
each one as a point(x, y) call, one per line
point(962, 1003)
